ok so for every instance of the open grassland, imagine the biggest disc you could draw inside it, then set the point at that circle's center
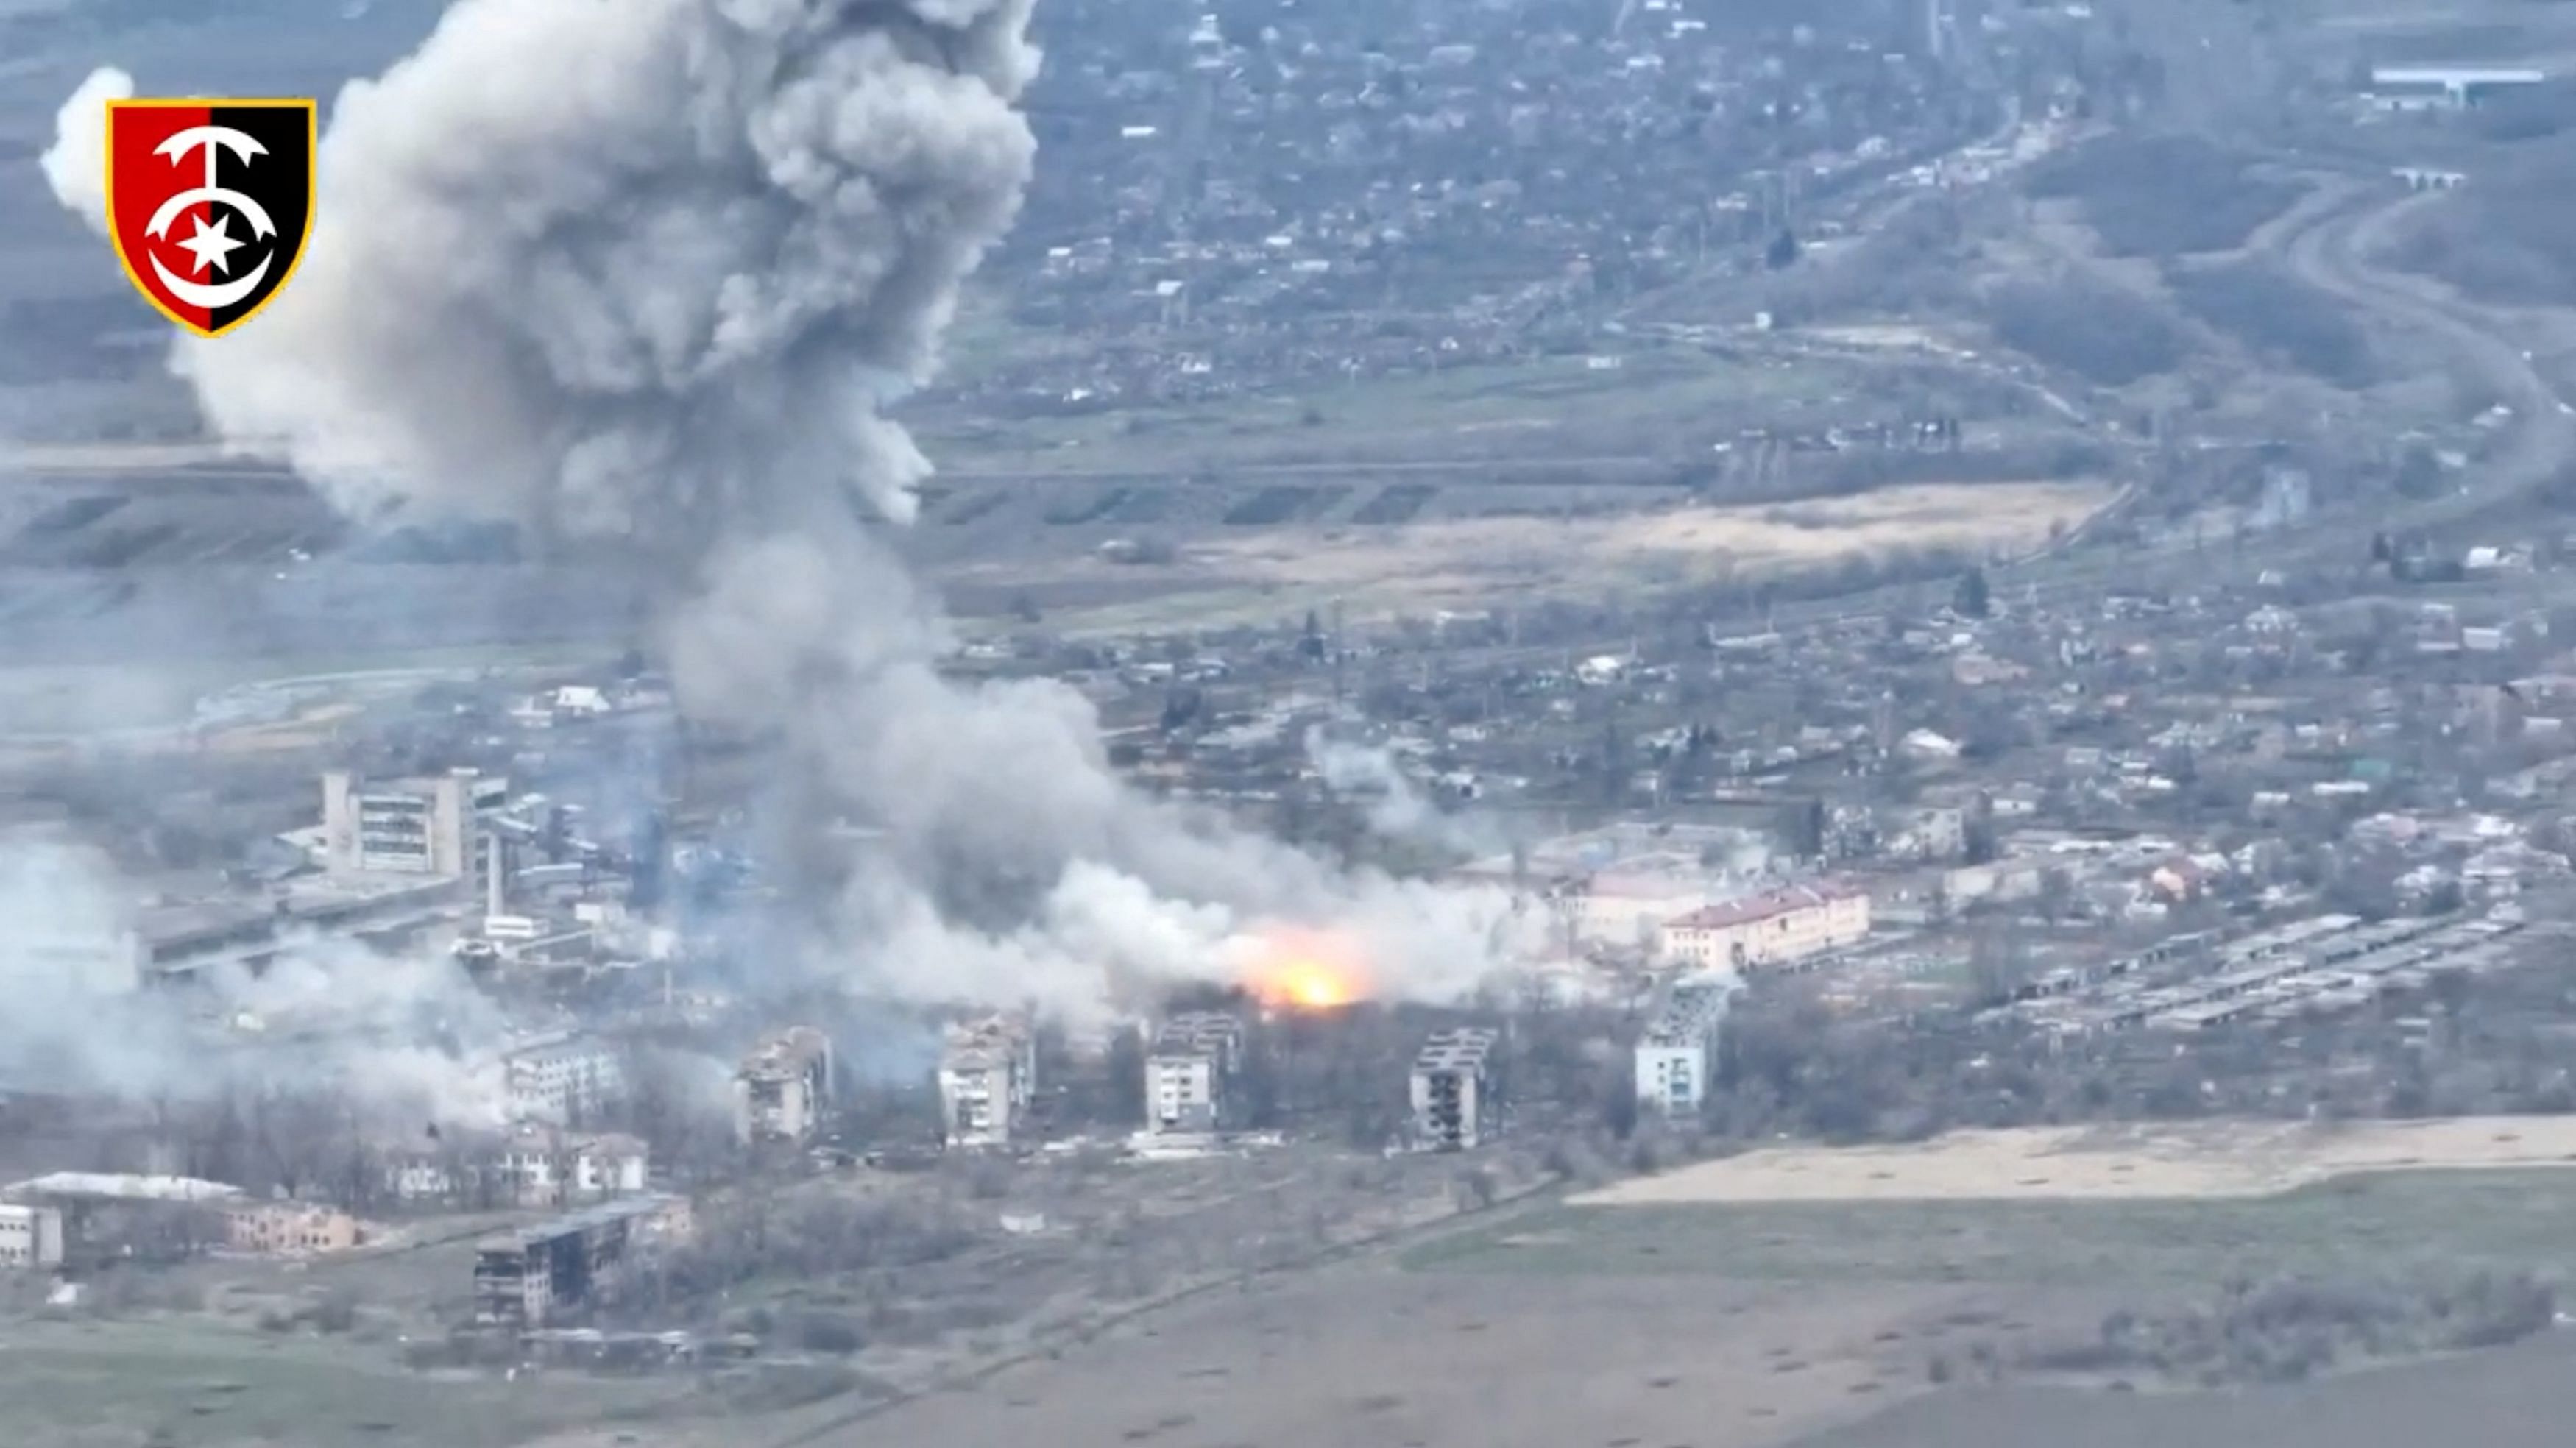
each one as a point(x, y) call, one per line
point(2129, 1206)
point(1562, 405)
point(82, 1384)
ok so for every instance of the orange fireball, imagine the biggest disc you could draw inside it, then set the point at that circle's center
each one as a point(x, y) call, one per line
point(1303, 971)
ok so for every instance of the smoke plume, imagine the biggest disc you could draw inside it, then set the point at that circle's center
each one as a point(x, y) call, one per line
point(644, 277)
point(75, 164)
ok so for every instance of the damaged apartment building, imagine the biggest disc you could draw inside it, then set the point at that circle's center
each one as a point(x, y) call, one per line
point(1455, 1101)
point(987, 1080)
point(1677, 1053)
point(783, 1090)
point(1191, 1075)
point(539, 1275)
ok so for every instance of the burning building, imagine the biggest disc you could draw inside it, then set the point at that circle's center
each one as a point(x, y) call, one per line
point(987, 1078)
point(1191, 1075)
point(783, 1089)
point(1454, 1100)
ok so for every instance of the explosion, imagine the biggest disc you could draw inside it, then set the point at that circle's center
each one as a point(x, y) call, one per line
point(1307, 971)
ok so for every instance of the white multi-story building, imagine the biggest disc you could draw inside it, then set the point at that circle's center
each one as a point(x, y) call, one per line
point(533, 1165)
point(1768, 929)
point(783, 1089)
point(30, 1237)
point(1190, 1074)
point(426, 826)
point(1677, 1055)
point(567, 1079)
point(1452, 1089)
point(987, 1077)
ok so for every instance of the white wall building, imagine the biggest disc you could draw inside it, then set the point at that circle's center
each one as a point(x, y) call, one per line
point(1189, 1075)
point(1769, 929)
point(425, 826)
point(783, 1089)
point(568, 1079)
point(30, 1237)
point(987, 1077)
point(1451, 1090)
point(1677, 1055)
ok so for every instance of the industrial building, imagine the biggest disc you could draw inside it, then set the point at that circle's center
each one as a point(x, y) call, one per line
point(531, 1277)
point(30, 1237)
point(433, 825)
point(987, 1078)
point(1677, 1054)
point(1190, 1075)
point(1454, 1097)
point(783, 1089)
point(1775, 928)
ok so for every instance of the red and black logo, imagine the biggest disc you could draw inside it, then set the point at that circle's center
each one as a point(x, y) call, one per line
point(209, 202)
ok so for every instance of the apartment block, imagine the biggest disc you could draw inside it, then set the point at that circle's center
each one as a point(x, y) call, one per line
point(1453, 1091)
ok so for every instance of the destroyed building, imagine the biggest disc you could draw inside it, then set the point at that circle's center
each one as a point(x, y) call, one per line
point(1678, 1051)
point(783, 1089)
point(531, 1277)
point(1453, 1089)
point(1190, 1075)
point(987, 1078)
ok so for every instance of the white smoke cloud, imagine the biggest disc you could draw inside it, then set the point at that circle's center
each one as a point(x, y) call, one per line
point(644, 276)
point(75, 164)
point(1395, 805)
point(393, 1037)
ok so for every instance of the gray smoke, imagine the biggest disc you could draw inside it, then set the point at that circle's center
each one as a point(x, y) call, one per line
point(644, 276)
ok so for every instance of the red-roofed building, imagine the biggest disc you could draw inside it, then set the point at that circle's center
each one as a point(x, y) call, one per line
point(1771, 928)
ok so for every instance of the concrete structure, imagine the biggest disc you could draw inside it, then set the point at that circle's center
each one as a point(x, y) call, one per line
point(783, 1089)
point(1677, 1054)
point(425, 826)
point(533, 1165)
point(30, 1237)
point(2428, 178)
point(291, 1229)
point(2452, 86)
point(1769, 929)
point(567, 1079)
point(1190, 1074)
point(528, 1278)
point(1453, 1093)
point(987, 1077)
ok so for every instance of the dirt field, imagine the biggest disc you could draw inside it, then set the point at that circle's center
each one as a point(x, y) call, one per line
point(1470, 562)
point(2219, 1159)
point(2521, 1397)
point(1365, 1355)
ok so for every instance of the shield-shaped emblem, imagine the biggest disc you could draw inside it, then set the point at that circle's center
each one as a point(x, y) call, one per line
point(209, 202)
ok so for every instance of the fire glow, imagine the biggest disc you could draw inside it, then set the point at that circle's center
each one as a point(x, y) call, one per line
point(1304, 971)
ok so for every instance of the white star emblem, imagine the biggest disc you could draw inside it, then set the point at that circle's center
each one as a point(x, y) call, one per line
point(211, 245)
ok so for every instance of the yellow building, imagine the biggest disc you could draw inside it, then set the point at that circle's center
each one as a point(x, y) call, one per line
point(1769, 929)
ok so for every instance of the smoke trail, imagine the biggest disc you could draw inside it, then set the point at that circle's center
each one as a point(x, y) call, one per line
point(644, 277)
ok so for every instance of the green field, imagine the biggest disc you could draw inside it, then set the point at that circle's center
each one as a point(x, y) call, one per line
point(183, 1384)
point(2374, 1225)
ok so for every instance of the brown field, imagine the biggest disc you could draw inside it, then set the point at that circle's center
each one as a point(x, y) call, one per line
point(2211, 1159)
point(1468, 563)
